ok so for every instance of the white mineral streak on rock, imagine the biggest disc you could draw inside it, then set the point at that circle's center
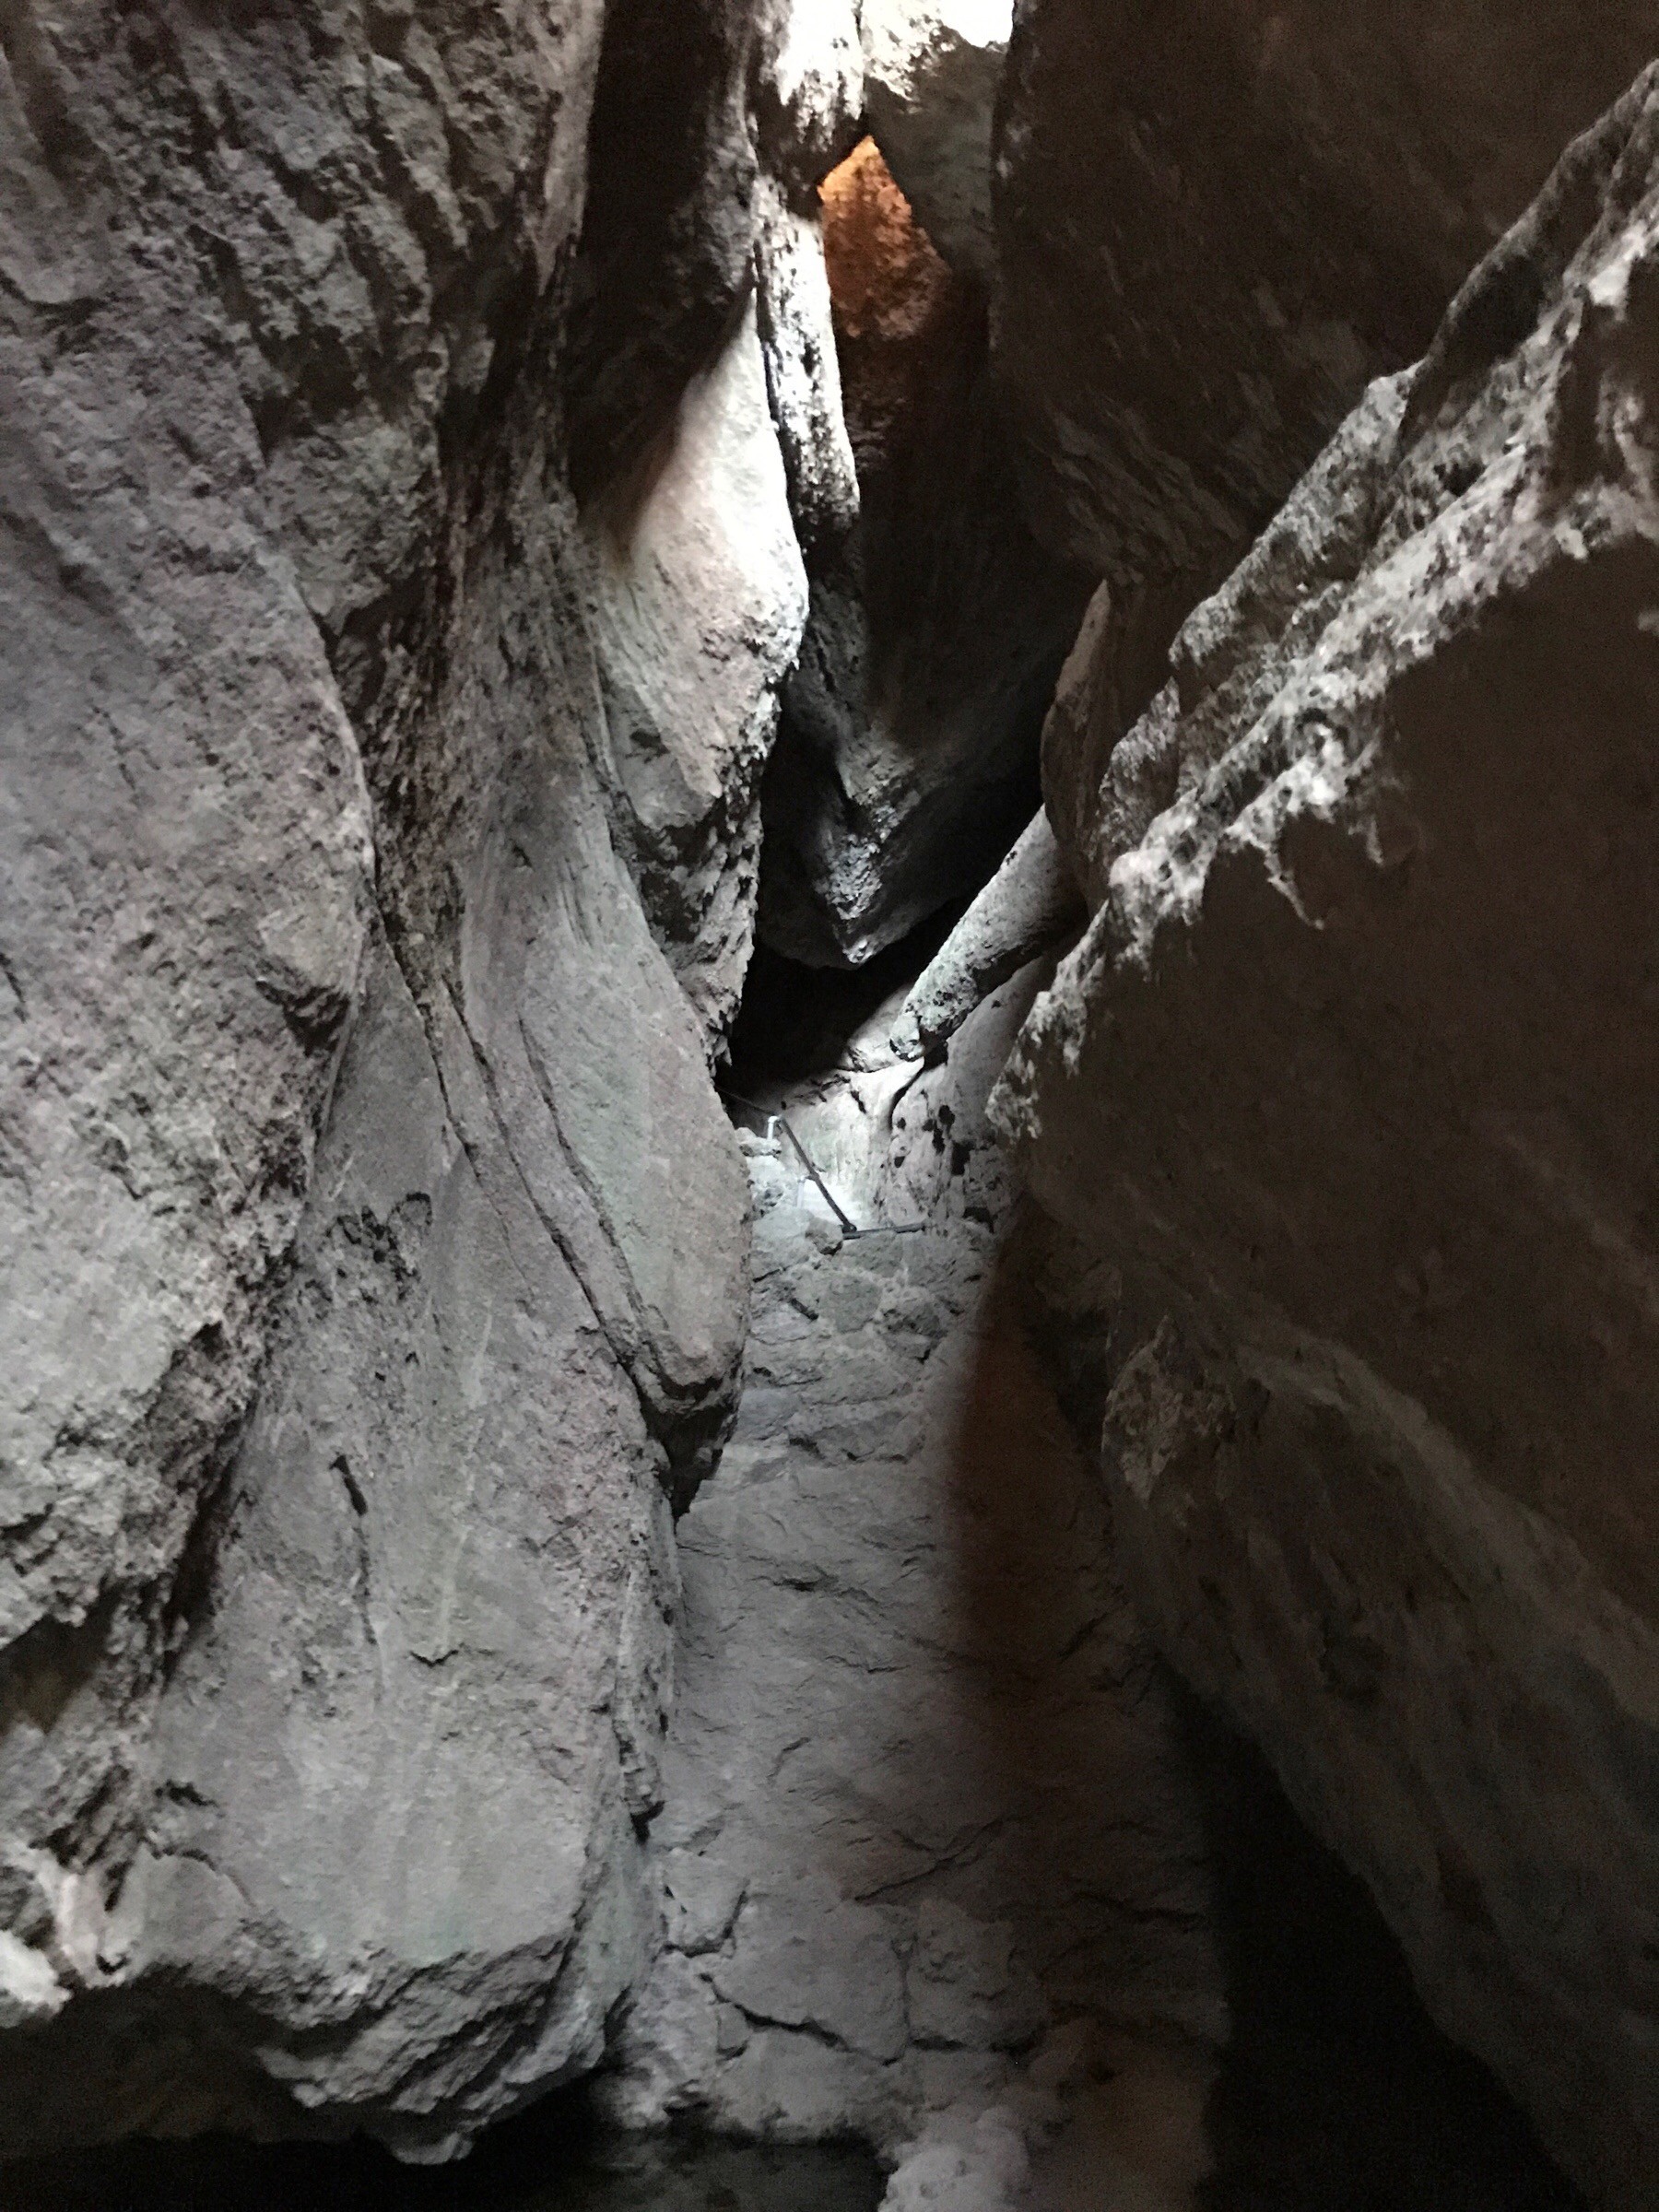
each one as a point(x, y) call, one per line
point(700, 599)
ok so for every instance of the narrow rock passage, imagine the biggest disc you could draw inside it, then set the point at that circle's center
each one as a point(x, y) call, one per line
point(519, 523)
point(931, 1866)
point(934, 1867)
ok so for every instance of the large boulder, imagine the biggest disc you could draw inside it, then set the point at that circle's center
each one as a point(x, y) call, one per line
point(1029, 906)
point(1353, 1075)
point(932, 71)
point(1216, 223)
point(376, 1245)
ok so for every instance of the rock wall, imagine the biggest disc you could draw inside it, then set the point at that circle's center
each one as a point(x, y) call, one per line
point(1352, 1074)
point(1218, 220)
point(464, 471)
point(376, 1246)
point(669, 218)
point(1216, 223)
point(698, 602)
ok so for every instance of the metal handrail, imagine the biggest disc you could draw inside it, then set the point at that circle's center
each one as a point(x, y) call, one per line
point(850, 1227)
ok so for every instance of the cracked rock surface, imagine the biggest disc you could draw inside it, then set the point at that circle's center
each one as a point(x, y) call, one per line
point(1354, 1069)
point(926, 1824)
point(376, 1248)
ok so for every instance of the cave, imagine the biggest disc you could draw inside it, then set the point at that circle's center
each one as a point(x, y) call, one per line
point(831, 1233)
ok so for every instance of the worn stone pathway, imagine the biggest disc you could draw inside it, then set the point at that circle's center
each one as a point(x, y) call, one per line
point(930, 1870)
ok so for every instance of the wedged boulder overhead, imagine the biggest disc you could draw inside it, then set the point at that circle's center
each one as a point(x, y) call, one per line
point(906, 758)
point(932, 71)
point(1354, 1072)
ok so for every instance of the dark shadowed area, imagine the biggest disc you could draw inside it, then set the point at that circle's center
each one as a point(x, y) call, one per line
point(554, 2159)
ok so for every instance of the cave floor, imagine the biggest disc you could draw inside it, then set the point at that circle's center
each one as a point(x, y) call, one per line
point(941, 1838)
point(923, 1787)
